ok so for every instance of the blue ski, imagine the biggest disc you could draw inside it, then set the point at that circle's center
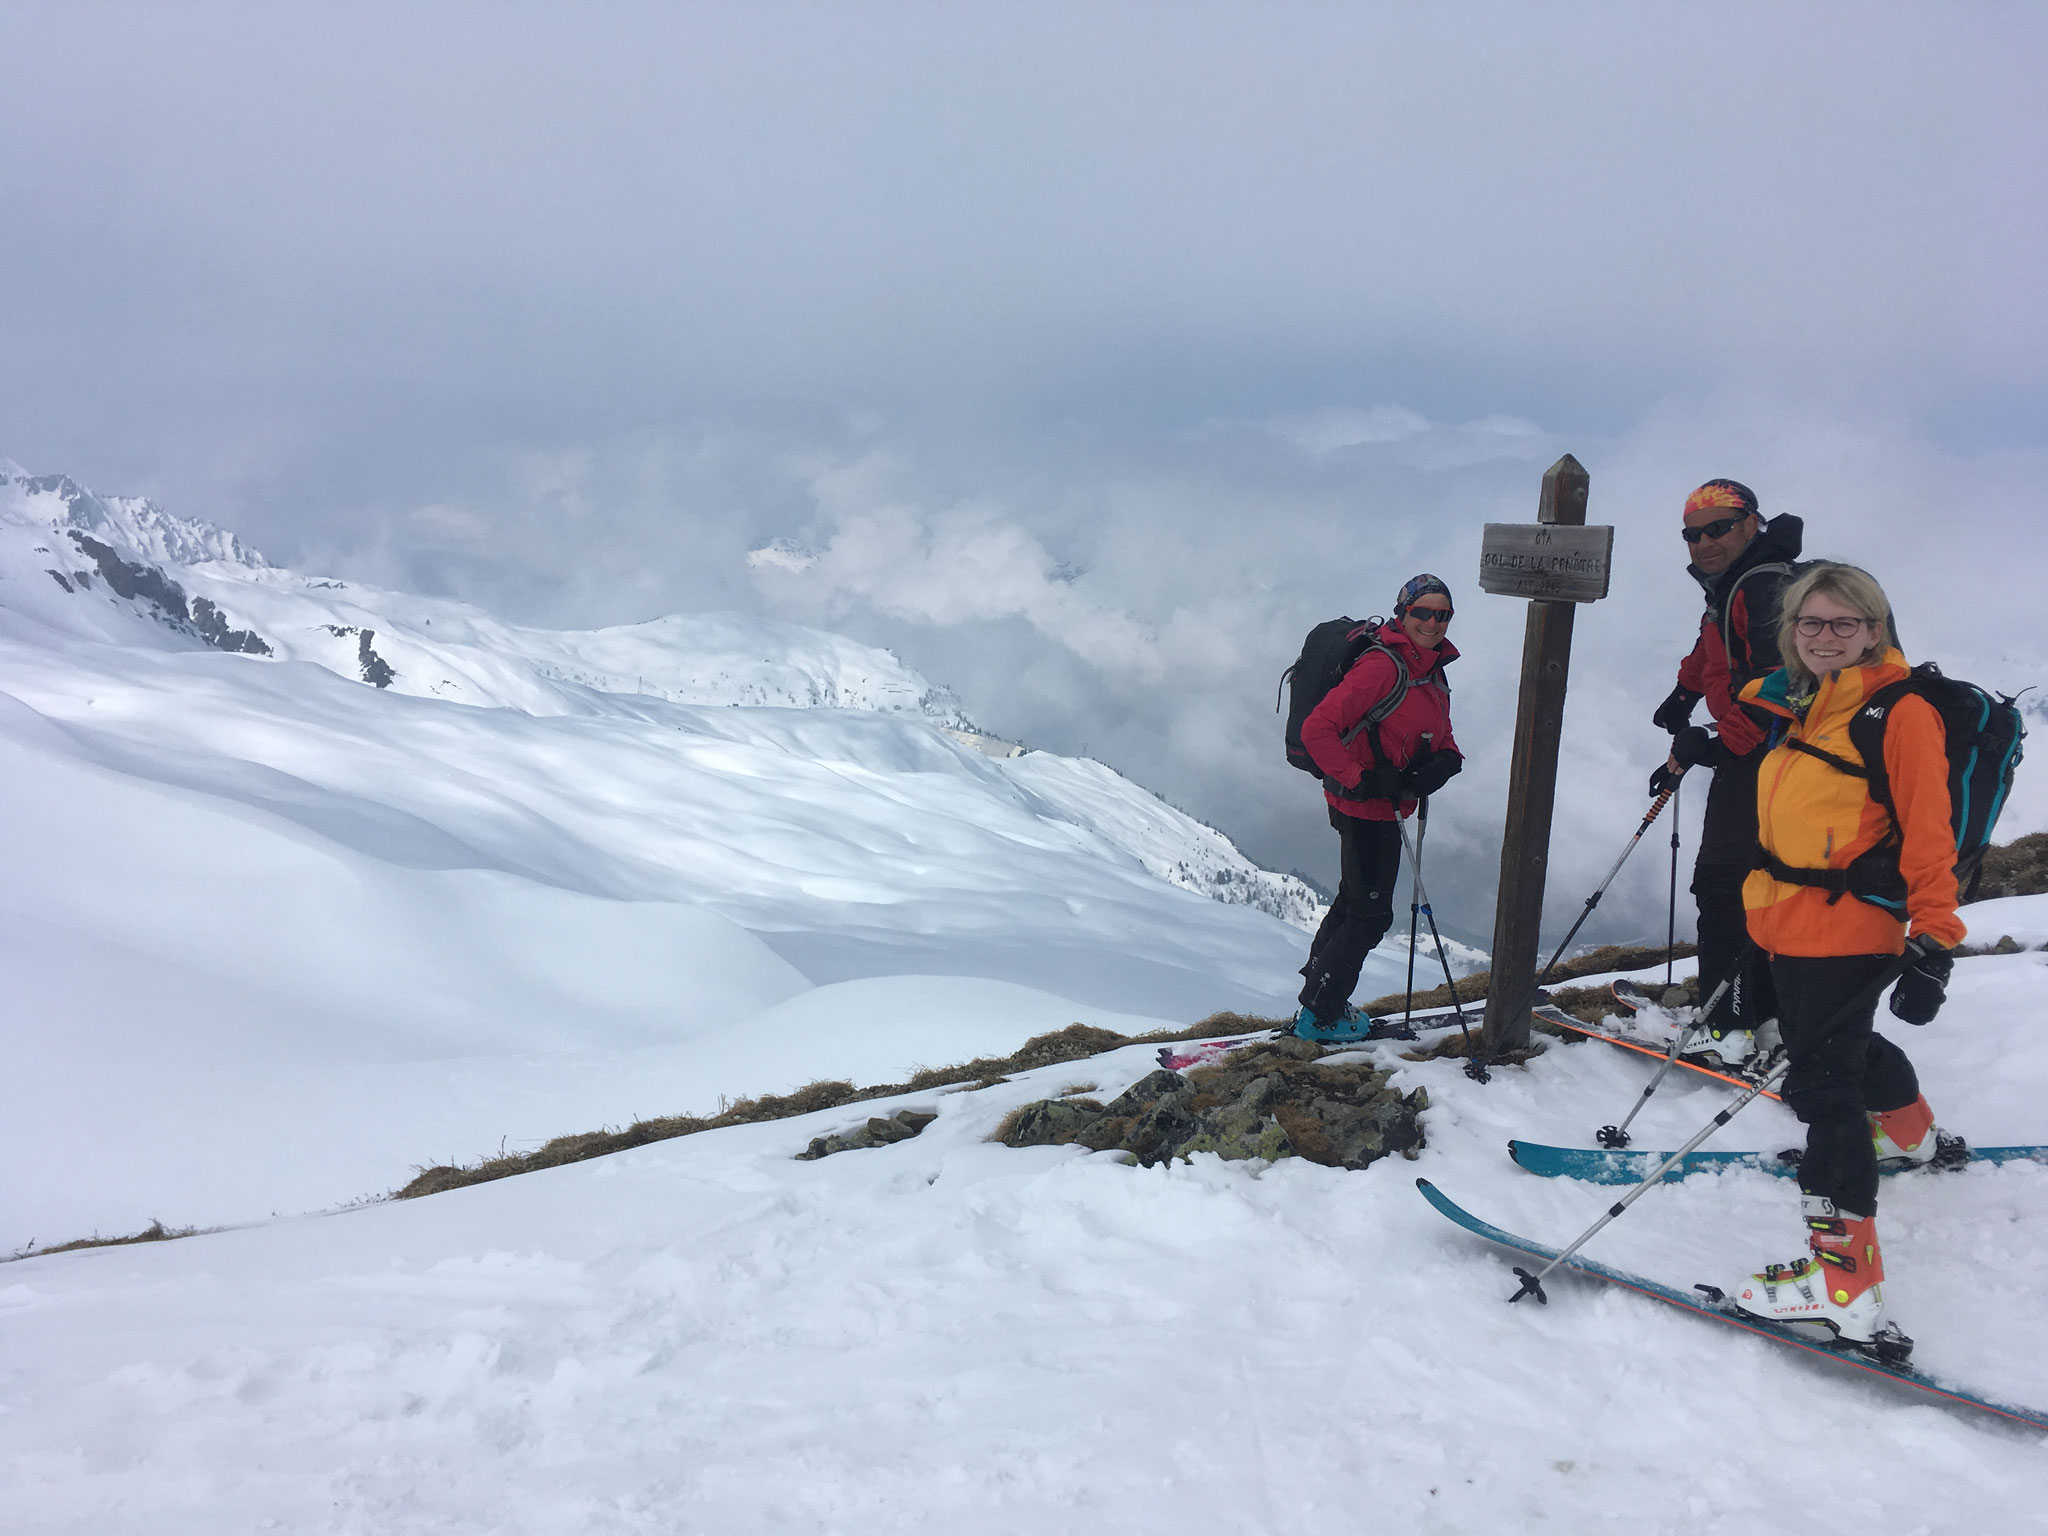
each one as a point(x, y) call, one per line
point(1603, 1167)
point(1709, 1304)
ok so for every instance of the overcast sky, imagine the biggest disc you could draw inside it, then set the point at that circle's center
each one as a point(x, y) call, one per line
point(1094, 351)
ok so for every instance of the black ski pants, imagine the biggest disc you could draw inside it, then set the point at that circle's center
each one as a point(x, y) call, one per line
point(1369, 864)
point(1728, 844)
point(1837, 1078)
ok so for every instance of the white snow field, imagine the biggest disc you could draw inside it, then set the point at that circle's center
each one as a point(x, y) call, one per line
point(270, 935)
point(706, 1336)
point(273, 936)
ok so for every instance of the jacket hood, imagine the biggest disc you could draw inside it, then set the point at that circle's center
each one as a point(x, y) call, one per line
point(1779, 539)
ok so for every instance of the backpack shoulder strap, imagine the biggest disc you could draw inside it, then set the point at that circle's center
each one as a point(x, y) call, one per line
point(1867, 727)
point(1839, 764)
point(1725, 620)
point(1388, 702)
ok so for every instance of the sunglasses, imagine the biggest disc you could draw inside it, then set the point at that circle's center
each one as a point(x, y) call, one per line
point(1431, 615)
point(1719, 528)
point(1843, 628)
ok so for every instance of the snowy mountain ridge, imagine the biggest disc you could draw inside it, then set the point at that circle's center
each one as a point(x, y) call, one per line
point(126, 570)
point(133, 522)
point(564, 866)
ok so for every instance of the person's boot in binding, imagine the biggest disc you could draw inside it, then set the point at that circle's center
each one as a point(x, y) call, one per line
point(1354, 1023)
point(1836, 1284)
point(1904, 1138)
point(1722, 1050)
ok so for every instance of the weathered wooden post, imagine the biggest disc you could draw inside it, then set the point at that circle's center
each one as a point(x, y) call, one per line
point(1556, 562)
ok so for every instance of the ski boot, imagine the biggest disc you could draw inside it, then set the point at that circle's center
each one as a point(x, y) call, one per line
point(1353, 1024)
point(1905, 1139)
point(1836, 1285)
point(1770, 1045)
point(1722, 1050)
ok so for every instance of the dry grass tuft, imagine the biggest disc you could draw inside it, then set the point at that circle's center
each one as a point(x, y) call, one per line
point(155, 1232)
point(1595, 962)
point(2020, 868)
point(1074, 1043)
point(1456, 1046)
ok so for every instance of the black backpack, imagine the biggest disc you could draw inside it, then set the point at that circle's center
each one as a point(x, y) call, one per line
point(1329, 652)
point(1985, 735)
point(1771, 579)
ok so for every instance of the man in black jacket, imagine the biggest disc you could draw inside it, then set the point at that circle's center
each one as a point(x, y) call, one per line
point(1743, 563)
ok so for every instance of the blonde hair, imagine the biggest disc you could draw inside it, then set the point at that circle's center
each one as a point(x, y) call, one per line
point(1855, 589)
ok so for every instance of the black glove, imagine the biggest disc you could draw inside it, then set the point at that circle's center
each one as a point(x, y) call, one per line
point(1664, 778)
point(1922, 990)
point(1693, 745)
point(1675, 713)
point(1377, 783)
point(1429, 771)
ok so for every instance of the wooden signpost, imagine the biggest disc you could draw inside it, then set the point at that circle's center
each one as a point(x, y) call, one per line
point(1555, 562)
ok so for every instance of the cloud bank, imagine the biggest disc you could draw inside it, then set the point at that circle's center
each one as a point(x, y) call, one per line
point(1085, 353)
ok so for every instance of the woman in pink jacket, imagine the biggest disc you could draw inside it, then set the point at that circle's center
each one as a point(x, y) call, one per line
point(1373, 774)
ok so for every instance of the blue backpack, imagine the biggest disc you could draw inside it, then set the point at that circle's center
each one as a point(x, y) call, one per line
point(1985, 736)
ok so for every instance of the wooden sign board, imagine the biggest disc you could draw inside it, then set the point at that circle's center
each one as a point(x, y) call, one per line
point(1554, 562)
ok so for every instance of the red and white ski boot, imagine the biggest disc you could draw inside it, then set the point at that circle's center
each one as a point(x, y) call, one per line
point(1835, 1285)
point(1905, 1138)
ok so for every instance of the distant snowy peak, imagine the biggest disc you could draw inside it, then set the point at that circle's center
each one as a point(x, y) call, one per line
point(781, 555)
point(133, 523)
point(123, 570)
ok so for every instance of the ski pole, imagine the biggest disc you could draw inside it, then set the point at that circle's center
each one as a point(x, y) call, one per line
point(1414, 901)
point(1475, 1068)
point(1532, 1285)
point(1671, 915)
point(1617, 1135)
point(1593, 900)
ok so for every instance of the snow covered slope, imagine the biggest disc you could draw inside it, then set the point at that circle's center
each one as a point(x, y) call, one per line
point(535, 883)
point(125, 570)
point(704, 1335)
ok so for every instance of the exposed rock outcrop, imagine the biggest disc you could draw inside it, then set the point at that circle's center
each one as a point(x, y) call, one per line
point(1273, 1099)
point(146, 584)
point(880, 1131)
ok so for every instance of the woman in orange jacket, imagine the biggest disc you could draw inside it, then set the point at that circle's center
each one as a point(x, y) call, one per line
point(1831, 939)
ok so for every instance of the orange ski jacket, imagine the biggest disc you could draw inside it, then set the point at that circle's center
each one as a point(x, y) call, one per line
point(1811, 815)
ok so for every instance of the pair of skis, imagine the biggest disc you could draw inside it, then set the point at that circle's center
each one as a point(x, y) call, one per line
point(1887, 1356)
point(1708, 1302)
